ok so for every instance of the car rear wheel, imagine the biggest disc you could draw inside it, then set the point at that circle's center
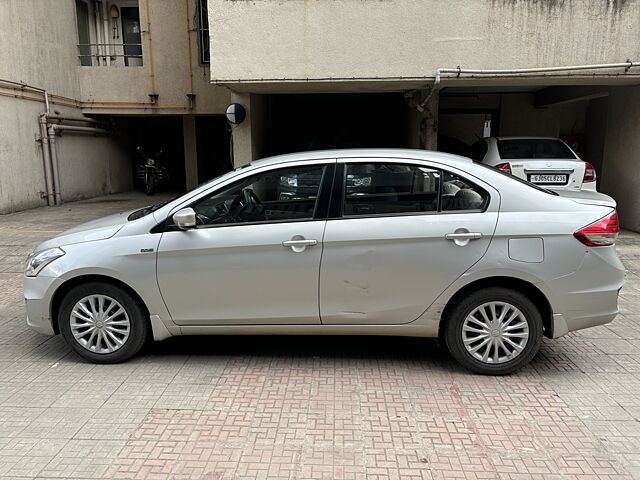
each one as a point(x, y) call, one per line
point(103, 323)
point(494, 331)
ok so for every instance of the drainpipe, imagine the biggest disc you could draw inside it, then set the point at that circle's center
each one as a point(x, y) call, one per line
point(105, 24)
point(46, 159)
point(52, 132)
point(54, 165)
point(99, 42)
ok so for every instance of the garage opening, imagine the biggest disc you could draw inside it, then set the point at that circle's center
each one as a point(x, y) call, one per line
point(329, 121)
point(467, 114)
point(192, 149)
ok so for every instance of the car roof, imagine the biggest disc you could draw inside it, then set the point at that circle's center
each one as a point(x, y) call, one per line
point(395, 153)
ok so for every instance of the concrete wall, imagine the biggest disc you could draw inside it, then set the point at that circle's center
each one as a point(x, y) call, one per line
point(39, 46)
point(168, 53)
point(354, 39)
point(621, 175)
point(519, 116)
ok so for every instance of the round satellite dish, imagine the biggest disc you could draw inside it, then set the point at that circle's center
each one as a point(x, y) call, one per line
point(235, 113)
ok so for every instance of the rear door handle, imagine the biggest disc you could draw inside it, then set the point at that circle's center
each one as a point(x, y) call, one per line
point(463, 236)
point(299, 243)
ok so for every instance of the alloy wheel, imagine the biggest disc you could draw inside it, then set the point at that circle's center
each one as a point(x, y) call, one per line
point(100, 324)
point(495, 332)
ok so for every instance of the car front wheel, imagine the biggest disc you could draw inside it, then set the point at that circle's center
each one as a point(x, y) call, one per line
point(494, 331)
point(103, 323)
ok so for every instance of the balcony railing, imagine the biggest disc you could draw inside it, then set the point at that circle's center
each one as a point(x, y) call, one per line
point(107, 54)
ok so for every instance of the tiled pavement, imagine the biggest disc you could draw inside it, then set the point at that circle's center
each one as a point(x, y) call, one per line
point(309, 408)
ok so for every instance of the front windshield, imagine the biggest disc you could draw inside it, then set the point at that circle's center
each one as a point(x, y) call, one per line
point(144, 211)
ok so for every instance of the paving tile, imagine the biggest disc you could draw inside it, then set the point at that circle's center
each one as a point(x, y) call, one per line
point(310, 408)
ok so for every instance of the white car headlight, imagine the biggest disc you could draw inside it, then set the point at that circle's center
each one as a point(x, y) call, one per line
point(37, 261)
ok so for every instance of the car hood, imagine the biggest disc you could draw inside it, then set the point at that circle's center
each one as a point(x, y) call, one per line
point(99, 229)
point(588, 197)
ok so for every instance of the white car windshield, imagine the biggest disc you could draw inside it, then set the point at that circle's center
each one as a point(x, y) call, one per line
point(534, 148)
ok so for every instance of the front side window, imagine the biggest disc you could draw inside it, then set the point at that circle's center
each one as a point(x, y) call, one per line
point(276, 195)
point(388, 188)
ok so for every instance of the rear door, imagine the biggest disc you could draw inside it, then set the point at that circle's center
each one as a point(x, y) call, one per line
point(401, 233)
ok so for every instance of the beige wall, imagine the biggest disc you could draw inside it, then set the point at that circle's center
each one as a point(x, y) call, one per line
point(519, 116)
point(171, 71)
point(353, 39)
point(39, 46)
point(621, 175)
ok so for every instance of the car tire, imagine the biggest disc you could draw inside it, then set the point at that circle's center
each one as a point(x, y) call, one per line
point(113, 313)
point(501, 346)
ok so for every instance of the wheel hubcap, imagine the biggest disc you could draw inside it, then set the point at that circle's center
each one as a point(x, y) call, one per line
point(495, 332)
point(100, 324)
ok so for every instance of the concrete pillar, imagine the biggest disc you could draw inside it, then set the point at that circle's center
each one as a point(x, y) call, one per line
point(190, 151)
point(429, 122)
point(621, 177)
point(249, 136)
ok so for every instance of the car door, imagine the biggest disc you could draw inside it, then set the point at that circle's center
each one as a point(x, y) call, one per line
point(402, 234)
point(254, 255)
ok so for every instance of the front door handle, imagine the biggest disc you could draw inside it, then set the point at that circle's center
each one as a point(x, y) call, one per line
point(463, 236)
point(299, 243)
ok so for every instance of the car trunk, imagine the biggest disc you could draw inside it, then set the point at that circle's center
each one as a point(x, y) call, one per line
point(550, 173)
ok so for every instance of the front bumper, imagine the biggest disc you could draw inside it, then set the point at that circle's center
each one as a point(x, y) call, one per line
point(37, 295)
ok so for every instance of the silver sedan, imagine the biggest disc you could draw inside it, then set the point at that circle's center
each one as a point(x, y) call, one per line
point(353, 242)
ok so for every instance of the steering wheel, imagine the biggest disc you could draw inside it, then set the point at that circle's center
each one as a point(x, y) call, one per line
point(245, 203)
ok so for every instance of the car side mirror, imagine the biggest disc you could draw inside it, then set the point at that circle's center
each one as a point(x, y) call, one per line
point(185, 218)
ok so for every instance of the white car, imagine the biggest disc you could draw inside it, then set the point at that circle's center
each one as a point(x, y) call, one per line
point(548, 162)
point(340, 242)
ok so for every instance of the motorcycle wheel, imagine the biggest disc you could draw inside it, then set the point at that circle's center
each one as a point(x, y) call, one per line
point(149, 184)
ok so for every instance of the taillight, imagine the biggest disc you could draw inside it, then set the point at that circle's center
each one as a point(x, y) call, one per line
point(589, 173)
point(505, 167)
point(600, 233)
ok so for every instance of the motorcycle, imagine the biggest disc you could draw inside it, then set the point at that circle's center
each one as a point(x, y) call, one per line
point(151, 173)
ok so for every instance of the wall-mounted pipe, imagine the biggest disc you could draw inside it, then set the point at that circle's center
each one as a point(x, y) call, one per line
point(56, 129)
point(458, 71)
point(152, 77)
point(105, 26)
point(54, 165)
point(46, 160)
point(25, 86)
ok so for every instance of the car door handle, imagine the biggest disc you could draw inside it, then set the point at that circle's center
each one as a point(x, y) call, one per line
point(299, 243)
point(463, 236)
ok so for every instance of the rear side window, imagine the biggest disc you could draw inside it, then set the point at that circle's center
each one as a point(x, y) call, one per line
point(461, 194)
point(533, 148)
point(387, 188)
point(392, 188)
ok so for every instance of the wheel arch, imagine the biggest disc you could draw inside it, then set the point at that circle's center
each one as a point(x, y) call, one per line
point(65, 287)
point(513, 283)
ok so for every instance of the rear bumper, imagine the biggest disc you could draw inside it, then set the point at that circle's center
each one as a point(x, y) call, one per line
point(589, 296)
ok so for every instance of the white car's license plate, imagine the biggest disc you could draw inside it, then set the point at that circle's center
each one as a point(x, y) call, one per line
point(548, 178)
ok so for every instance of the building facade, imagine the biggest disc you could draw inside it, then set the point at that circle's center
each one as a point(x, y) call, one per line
point(311, 74)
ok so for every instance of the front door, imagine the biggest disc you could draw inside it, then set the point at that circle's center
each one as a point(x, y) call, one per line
point(406, 232)
point(254, 256)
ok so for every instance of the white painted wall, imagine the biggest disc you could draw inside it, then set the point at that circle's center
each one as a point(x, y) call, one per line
point(355, 39)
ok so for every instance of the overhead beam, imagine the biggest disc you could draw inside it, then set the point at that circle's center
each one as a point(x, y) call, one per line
point(553, 96)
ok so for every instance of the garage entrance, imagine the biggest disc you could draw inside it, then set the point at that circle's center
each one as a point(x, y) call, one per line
point(328, 121)
point(199, 146)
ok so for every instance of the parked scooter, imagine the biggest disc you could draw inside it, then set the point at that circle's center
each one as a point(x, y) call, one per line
point(151, 173)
